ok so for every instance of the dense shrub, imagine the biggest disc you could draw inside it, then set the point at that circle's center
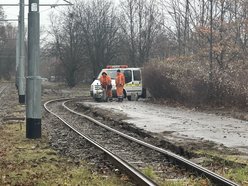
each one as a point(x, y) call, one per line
point(160, 84)
point(187, 80)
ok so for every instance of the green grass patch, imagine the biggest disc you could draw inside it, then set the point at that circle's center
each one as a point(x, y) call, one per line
point(233, 167)
point(225, 157)
point(239, 175)
point(149, 172)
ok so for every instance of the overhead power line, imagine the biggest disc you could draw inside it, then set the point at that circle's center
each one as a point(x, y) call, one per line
point(51, 5)
point(8, 19)
point(68, 2)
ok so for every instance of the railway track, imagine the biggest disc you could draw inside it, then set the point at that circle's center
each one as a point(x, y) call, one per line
point(129, 153)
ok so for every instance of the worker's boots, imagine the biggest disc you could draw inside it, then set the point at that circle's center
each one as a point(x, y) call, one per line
point(120, 99)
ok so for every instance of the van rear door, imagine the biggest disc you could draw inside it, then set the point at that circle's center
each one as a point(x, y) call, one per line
point(137, 81)
point(133, 81)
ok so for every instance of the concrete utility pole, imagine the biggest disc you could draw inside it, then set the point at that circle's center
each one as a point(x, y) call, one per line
point(20, 46)
point(33, 80)
point(21, 51)
point(210, 91)
point(33, 108)
point(17, 57)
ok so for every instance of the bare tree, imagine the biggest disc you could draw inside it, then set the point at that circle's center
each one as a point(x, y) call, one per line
point(99, 25)
point(7, 48)
point(68, 45)
point(139, 23)
point(93, 34)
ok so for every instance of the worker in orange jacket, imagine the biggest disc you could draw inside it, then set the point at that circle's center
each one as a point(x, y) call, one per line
point(119, 82)
point(105, 81)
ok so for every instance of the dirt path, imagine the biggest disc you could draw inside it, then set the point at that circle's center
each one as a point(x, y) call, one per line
point(186, 123)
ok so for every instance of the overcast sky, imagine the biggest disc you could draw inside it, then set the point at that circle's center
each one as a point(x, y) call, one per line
point(12, 12)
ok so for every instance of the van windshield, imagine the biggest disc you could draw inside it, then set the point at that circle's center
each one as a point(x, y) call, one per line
point(110, 72)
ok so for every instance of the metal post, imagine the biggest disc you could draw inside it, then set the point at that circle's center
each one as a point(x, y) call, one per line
point(33, 109)
point(17, 56)
point(210, 91)
point(21, 69)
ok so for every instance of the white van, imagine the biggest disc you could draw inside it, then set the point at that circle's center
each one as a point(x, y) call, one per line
point(132, 88)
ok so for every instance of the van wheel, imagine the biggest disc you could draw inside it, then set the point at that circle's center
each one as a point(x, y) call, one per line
point(143, 95)
point(129, 98)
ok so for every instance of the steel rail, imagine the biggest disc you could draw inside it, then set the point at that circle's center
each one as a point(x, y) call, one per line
point(139, 178)
point(172, 156)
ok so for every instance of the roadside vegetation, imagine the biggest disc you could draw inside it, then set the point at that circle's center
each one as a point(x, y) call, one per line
point(186, 80)
point(231, 165)
point(149, 172)
point(33, 162)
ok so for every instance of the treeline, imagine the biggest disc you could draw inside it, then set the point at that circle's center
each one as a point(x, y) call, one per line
point(210, 65)
point(92, 34)
point(7, 48)
point(203, 37)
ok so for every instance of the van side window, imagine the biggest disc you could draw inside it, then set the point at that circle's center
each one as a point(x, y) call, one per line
point(136, 75)
point(128, 76)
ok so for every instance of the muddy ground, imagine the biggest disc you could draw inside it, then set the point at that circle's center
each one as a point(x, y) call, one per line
point(178, 124)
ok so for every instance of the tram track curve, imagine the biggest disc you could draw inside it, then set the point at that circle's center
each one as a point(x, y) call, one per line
point(140, 178)
point(219, 180)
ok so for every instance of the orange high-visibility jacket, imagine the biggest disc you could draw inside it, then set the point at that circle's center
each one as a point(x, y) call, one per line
point(120, 79)
point(105, 81)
